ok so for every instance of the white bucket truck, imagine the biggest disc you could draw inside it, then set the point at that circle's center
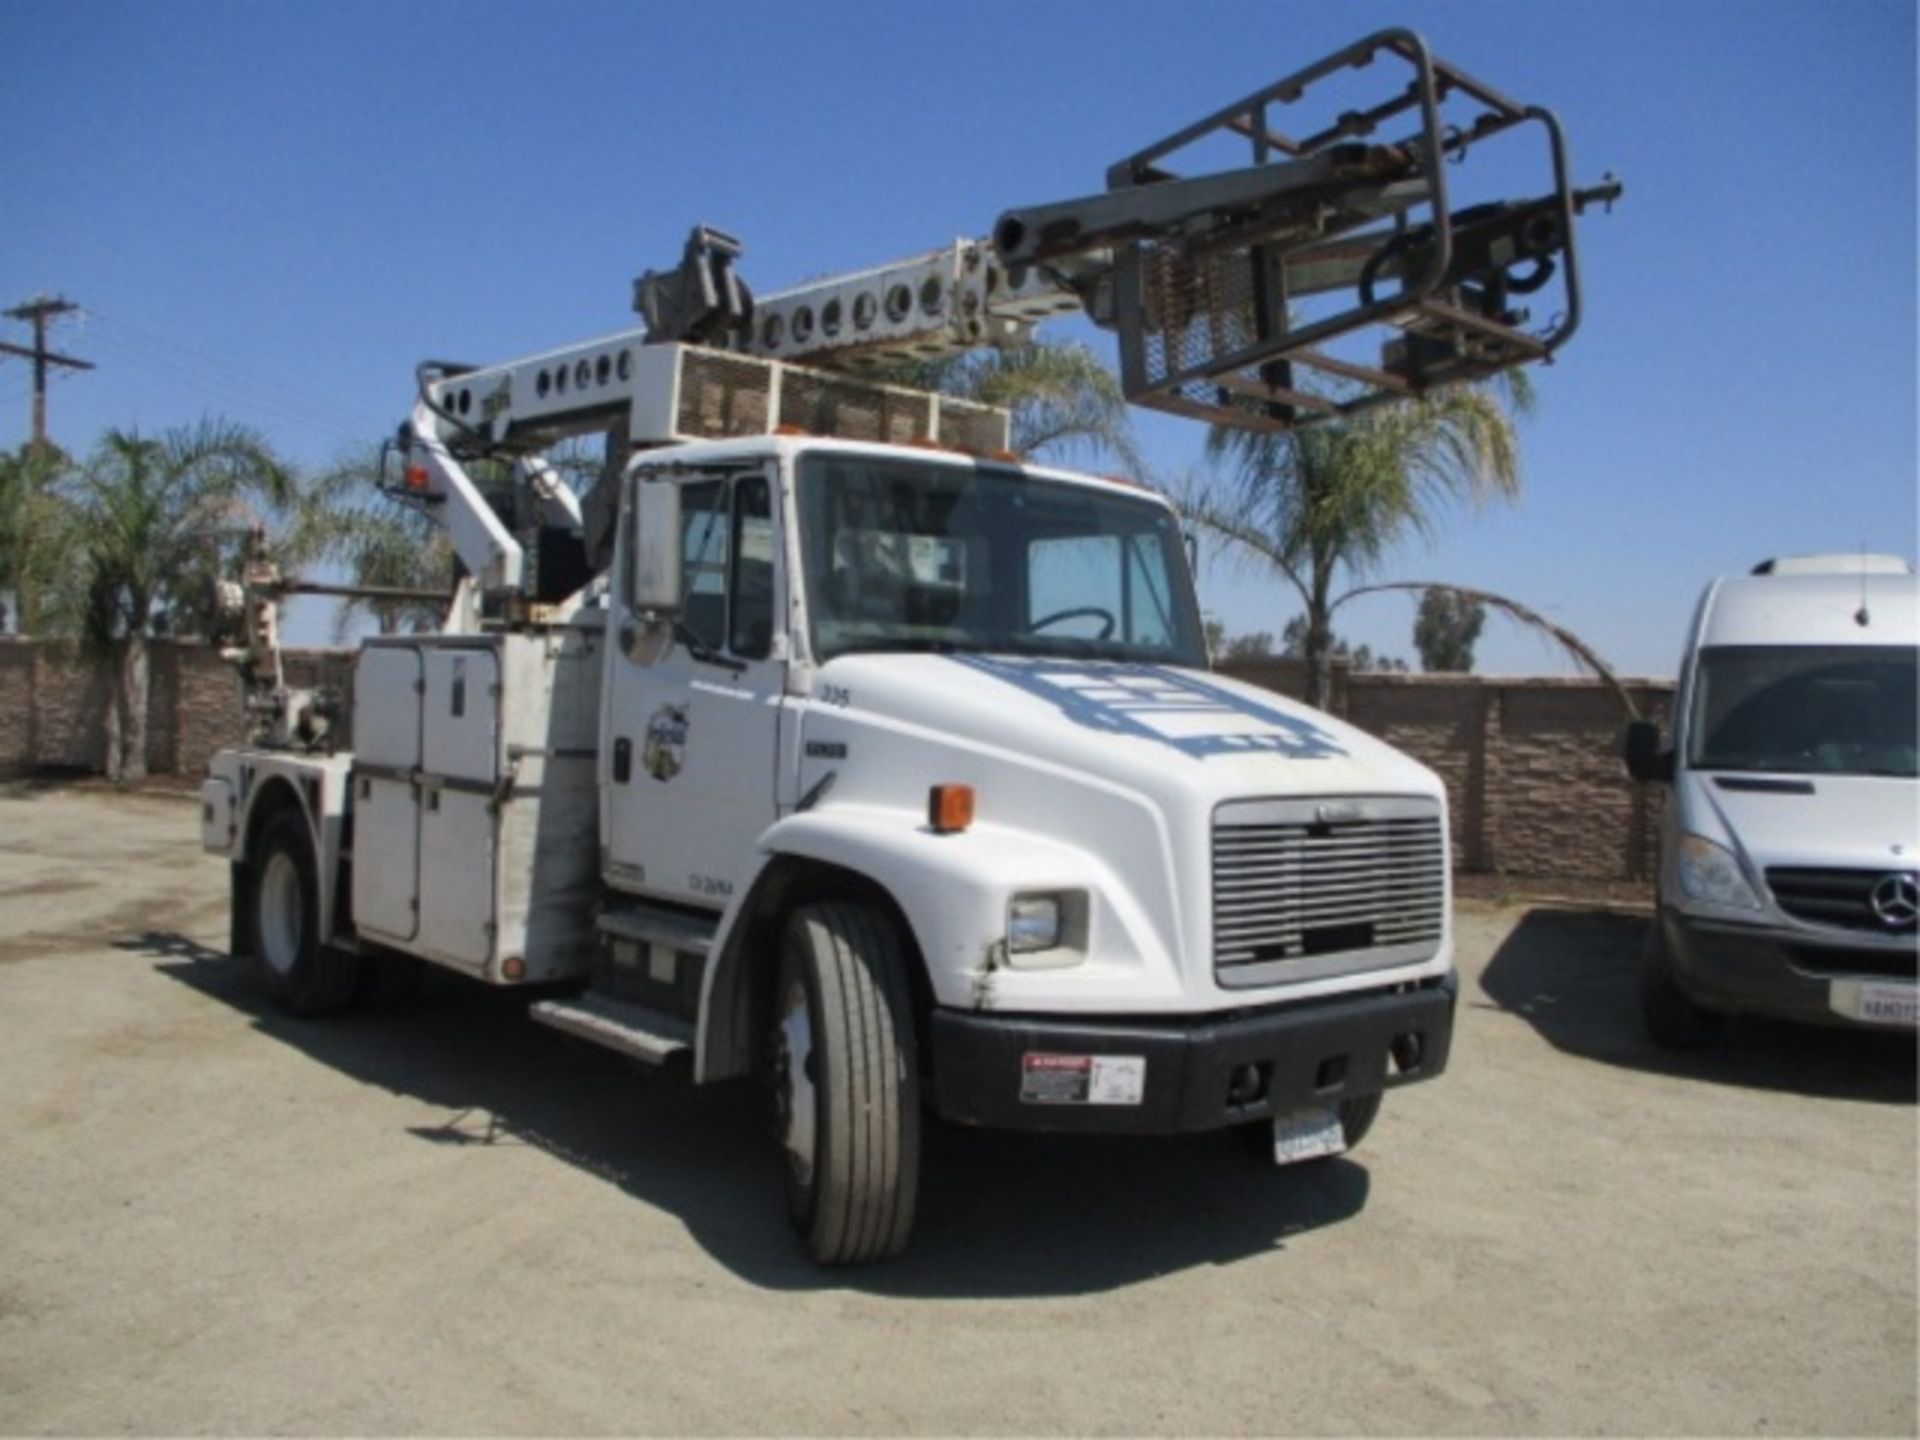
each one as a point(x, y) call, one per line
point(829, 743)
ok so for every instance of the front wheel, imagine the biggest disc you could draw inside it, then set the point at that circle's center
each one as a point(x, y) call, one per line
point(303, 976)
point(1669, 1013)
point(844, 1082)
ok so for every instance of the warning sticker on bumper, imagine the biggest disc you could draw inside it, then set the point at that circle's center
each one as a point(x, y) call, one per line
point(1082, 1079)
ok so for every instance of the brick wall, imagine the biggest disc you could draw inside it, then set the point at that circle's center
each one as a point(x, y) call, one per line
point(1531, 766)
point(55, 706)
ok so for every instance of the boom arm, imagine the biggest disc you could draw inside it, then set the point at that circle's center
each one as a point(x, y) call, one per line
point(1225, 291)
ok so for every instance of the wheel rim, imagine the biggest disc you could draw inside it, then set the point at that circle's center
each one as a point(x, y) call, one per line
point(793, 1090)
point(281, 917)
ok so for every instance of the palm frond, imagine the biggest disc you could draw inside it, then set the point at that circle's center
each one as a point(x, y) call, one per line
point(1582, 653)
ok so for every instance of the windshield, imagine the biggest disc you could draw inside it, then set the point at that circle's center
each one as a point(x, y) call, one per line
point(902, 556)
point(1805, 710)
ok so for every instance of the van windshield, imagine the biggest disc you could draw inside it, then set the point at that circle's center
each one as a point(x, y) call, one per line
point(906, 556)
point(1805, 710)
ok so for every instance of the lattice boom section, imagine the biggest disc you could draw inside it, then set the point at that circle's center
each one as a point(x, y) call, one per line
point(723, 394)
point(831, 405)
point(1197, 310)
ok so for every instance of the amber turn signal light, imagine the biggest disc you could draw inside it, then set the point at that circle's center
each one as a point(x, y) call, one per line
point(949, 808)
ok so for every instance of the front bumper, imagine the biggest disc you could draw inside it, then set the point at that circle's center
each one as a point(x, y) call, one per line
point(1167, 1075)
point(1756, 970)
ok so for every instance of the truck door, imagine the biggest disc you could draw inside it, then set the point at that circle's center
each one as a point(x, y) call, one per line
point(690, 741)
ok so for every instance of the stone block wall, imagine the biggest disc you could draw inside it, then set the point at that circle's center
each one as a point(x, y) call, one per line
point(55, 706)
point(1532, 769)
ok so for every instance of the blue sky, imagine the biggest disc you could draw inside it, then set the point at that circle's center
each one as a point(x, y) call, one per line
point(272, 211)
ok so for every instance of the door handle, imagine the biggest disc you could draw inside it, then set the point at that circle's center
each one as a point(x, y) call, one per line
point(622, 760)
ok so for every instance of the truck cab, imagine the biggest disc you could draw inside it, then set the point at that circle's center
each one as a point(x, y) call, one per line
point(977, 693)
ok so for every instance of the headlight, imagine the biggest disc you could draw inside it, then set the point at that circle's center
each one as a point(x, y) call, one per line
point(1710, 873)
point(1033, 923)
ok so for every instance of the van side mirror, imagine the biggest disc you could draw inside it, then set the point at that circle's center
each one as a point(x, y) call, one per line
point(1645, 760)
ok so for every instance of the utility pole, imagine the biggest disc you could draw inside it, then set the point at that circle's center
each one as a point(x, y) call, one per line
point(37, 312)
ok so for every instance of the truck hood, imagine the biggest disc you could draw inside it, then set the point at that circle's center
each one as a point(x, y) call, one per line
point(1844, 821)
point(1144, 727)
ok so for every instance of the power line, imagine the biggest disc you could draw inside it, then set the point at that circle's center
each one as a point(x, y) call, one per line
point(37, 312)
point(286, 399)
point(234, 391)
point(242, 388)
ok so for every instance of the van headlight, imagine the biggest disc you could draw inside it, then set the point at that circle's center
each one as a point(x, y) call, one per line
point(1711, 874)
point(1034, 922)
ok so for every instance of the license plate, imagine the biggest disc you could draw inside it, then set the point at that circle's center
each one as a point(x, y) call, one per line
point(1877, 1004)
point(1307, 1135)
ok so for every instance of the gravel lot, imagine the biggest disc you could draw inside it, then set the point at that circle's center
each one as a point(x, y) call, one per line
point(446, 1219)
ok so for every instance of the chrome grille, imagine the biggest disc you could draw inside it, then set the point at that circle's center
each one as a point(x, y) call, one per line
point(1308, 888)
point(1838, 897)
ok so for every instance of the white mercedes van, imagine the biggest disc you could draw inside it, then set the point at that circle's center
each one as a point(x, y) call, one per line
point(1790, 844)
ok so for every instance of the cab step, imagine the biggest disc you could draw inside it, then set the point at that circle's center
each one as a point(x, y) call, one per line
point(633, 1030)
point(652, 925)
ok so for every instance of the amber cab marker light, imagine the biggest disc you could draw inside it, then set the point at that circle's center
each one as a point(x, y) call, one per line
point(949, 808)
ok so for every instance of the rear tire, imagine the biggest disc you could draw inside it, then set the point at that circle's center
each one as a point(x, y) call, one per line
point(844, 1082)
point(1672, 1019)
point(300, 975)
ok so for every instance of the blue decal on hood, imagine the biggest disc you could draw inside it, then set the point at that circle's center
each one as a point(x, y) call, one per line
point(1120, 697)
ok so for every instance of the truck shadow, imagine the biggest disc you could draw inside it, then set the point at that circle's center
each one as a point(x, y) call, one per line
point(1000, 1215)
point(1573, 975)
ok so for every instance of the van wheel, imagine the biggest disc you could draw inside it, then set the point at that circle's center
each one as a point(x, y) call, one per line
point(1672, 1019)
point(844, 1082)
point(302, 976)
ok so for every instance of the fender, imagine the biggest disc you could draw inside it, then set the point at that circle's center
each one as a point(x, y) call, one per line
point(952, 890)
point(318, 787)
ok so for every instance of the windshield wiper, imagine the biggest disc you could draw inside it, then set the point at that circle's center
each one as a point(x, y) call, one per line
point(917, 644)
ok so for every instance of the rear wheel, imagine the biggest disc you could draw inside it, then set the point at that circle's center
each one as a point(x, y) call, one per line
point(1670, 1015)
point(302, 976)
point(844, 1084)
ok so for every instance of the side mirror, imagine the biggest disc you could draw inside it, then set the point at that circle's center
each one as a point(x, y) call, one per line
point(653, 568)
point(1641, 751)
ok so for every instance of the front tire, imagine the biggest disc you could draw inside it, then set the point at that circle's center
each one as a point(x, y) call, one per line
point(844, 1082)
point(300, 975)
point(1672, 1019)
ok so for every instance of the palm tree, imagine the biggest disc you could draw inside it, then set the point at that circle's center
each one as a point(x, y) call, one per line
point(350, 519)
point(156, 521)
point(33, 526)
point(1312, 501)
point(1064, 398)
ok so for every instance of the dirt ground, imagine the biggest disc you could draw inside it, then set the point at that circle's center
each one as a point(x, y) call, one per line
point(446, 1219)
